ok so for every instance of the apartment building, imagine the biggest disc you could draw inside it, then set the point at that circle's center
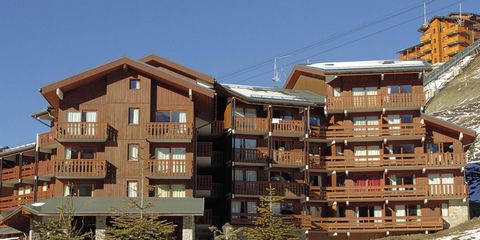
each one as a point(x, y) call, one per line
point(346, 143)
point(119, 131)
point(443, 37)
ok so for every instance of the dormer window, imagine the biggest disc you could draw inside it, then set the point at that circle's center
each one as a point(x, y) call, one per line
point(134, 84)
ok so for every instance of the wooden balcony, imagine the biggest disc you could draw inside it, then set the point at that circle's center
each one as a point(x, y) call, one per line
point(206, 188)
point(251, 157)
point(217, 128)
point(288, 128)
point(81, 132)
point(403, 131)
point(390, 192)
point(10, 202)
point(259, 188)
point(371, 224)
point(169, 169)
point(169, 132)
point(446, 160)
point(446, 191)
point(80, 169)
point(204, 149)
point(255, 126)
point(397, 101)
point(389, 161)
point(295, 158)
point(47, 140)
point(11, 175)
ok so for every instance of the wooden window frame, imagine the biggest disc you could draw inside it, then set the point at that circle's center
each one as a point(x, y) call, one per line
point(130, 84)
point(128, 152)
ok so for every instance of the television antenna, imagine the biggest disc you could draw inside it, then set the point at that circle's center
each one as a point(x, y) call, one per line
point(276, 74)
point(460, 20)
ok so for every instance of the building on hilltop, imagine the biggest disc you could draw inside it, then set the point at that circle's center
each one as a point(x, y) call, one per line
point(443, 37)
point(346, 143)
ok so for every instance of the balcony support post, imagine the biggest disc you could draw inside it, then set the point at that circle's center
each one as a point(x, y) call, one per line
point(20, 164)
point(35, 183)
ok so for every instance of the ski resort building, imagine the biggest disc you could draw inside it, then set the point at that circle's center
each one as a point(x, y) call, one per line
point(443, 37)
point(346, 143)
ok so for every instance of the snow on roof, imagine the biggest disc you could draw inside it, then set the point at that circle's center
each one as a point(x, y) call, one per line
point(267, 94)
point(376, 65)
point(18, 148)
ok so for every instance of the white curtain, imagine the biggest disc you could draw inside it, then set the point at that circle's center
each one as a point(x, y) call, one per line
point(360, 153)
point(336, 92)
point(179, 154)
point(91, 118)
point(236, 207)
point(238, 175)
point(377, 213)
point(133, 152)
point(163, 191)
point(68, 153)
point(132, 189)
point(134, 114)
point(447, 183)
point(251, 175)
point(371, 91)
point(73, 126)
point(178, 190)
point(400, 212)
point(162, 154)
point(373, 153)
point(444, 210)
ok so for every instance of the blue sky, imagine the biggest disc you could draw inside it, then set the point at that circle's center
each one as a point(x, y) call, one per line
point(45, 41)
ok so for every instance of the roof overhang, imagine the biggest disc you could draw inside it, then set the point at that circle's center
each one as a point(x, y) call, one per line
point(54, 92)
point(468, 134)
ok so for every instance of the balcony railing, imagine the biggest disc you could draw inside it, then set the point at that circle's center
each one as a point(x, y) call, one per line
point(81, 132)
point(204, 182)
point(169, 131)
point(447, 190)
point(371, 224)
point(403, 160)
point(288, 127)
point(259, 188)
point(369, 131)
point(44, 168)
point(9, 202)
point(256, 156)
point(80, 168)
point(204, 149)
point(47, 139)
point(169, 168)
point(396, 100)
point(293, 158)
point(251, 125)
point(366, 192)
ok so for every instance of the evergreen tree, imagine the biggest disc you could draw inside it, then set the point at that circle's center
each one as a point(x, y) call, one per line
point(267, 225)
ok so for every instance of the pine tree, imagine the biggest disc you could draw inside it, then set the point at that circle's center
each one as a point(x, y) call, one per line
point(267, 225)
point(134, 226)
point(62, 227)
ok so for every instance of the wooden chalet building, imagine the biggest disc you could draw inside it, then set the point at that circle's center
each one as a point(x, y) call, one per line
point(345, 143)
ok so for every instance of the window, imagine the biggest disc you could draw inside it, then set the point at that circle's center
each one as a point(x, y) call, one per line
point(44, 187)
point(245, 143)
point(80, 153)
point(238, 175)
point(134, 84)
point(167, 116)
point(78, 190)
point(336, 92)
point(166, 190)
point(133, 116)
point(399, 89)
point(132, 190)
point(251, 175)
point(281, 176)
point(133, 152)
point(246, 112)
point(445, 210)
point(162, 190)
point(283, 145)
point(406, 118)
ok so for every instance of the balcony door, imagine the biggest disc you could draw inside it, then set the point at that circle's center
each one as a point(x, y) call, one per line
point(364, 96)
point(171, 160)
point(366, 153)
point(75, 119)
point(90, 118)
point(441, 184)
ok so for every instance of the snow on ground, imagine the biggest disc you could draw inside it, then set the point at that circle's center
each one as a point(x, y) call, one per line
point(473, 234)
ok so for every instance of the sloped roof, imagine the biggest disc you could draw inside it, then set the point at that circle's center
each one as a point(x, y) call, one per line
point(18, 149)
point(158, 61)
point(169, 77)
point(371, 66)
point(107, 206)
point(469, 134)
point(257, 94)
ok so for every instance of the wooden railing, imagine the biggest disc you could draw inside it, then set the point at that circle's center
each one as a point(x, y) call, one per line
point(204, 149)
point(350, 102)
point(446, 159)
point(447, 190)
point(9, 202)
point(247, 124)
point(388, 161)
point(287, 189)
point(369, 224)
point(169, 130)
point(289, 126)
point(289, 158)
point(204, 182)
point(365, 192)
point(169, 168)
point(80, 168)
point(250, 155)
point(48, 138)
point(218, 128)
point(81, 131)
point(44, 168)
point(366, 131)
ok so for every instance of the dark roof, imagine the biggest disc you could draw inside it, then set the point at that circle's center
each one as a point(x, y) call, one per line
point(271, 95)
point(95, 206)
